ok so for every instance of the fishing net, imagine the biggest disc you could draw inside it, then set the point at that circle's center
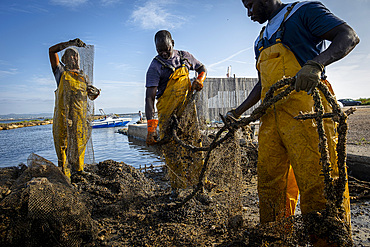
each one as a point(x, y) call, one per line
point(87, 65)
point(223, 183)
point(44, 210)
point(222, 175)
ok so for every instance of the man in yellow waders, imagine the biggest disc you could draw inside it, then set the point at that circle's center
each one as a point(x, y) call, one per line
point(70, 123)
point(168, 80)
point(292, 44)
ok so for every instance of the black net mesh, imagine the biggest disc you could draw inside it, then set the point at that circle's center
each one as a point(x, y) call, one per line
point(44, 210)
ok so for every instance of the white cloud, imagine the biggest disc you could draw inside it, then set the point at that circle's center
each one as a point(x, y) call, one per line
point(228, 58)
point(69, 3)
point(156, 14)
point(109, 2)
point(8, 72)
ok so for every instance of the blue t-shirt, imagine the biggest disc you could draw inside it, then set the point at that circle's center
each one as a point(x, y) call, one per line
point(58, 71)
point(303, 28)
point(158, 75)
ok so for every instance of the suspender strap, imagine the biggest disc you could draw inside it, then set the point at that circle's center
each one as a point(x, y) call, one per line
point(183, 59)
point(280, 31)
point(260, 41)
point(159, 59)
point(164, 64)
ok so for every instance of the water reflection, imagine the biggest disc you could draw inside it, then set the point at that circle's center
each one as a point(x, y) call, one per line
point(16, 145)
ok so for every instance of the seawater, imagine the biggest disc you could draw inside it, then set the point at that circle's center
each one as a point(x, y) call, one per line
point(17, 144)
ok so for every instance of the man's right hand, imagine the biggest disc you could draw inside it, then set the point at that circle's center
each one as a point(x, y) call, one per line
point(308, 76)
point(197, 85)
point(151, 138)
point(152, 131)
point(77, 42)
point(232, 116)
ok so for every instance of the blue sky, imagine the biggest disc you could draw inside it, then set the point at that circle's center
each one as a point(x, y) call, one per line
point(216, 32)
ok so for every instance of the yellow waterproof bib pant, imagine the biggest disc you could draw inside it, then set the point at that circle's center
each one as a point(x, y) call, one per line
point(183, 172)
point(70, 125)
point(288, 154)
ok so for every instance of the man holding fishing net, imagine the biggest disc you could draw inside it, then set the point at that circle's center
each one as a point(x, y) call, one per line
point(292, 45)
point(71, 125)
point(167, 80)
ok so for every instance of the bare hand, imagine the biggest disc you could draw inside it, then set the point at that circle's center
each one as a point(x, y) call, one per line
point(231, 115)
point(92, 92)
point(77, 42)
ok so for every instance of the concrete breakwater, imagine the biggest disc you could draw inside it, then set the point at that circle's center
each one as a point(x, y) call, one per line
point(15, 125)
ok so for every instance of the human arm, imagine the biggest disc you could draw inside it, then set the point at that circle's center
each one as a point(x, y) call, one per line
point(149, 102)
point(343, 40)
point(53, 50)
point(198, 82)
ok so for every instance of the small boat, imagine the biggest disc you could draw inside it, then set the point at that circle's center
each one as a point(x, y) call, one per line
point(110, 121)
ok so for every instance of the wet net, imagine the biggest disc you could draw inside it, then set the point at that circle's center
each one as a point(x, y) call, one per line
point(87, 65)
point(44, 210)
point(223, 180)
point(222, 175)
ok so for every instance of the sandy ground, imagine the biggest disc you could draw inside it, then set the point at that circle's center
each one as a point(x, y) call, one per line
point(358, 137)
point(358, 143)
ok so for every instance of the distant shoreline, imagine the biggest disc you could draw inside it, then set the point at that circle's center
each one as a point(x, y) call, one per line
point(21, 124)
point(29, 123)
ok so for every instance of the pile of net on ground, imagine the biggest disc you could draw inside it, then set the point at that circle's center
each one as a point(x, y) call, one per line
point(132, 208)
point(125, 207)
point(43, 209)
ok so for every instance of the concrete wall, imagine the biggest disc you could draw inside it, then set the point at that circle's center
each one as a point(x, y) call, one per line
point(139, 131)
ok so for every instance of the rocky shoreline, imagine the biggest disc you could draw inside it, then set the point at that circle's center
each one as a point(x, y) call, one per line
point(16, 125)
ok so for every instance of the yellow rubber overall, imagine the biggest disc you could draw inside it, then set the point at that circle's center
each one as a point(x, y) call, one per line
point(288, 154)
point(173, 101)
point(70, 123)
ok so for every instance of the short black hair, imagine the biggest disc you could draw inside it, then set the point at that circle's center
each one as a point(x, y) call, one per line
point(162, 36)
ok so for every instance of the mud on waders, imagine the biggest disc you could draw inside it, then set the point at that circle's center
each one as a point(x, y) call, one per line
point(70, 123)
point(184, 165)
point(288, 154)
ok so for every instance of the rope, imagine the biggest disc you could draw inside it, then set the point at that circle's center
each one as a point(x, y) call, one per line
point(334, 188)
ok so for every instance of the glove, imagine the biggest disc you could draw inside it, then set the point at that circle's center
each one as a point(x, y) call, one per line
point(231, 115)
point(77, 42)
point(198, 83)
point(308, 76)
point(92, 92)
point(152, 132)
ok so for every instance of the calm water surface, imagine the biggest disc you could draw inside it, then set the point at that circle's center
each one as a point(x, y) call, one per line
point(17, 144)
